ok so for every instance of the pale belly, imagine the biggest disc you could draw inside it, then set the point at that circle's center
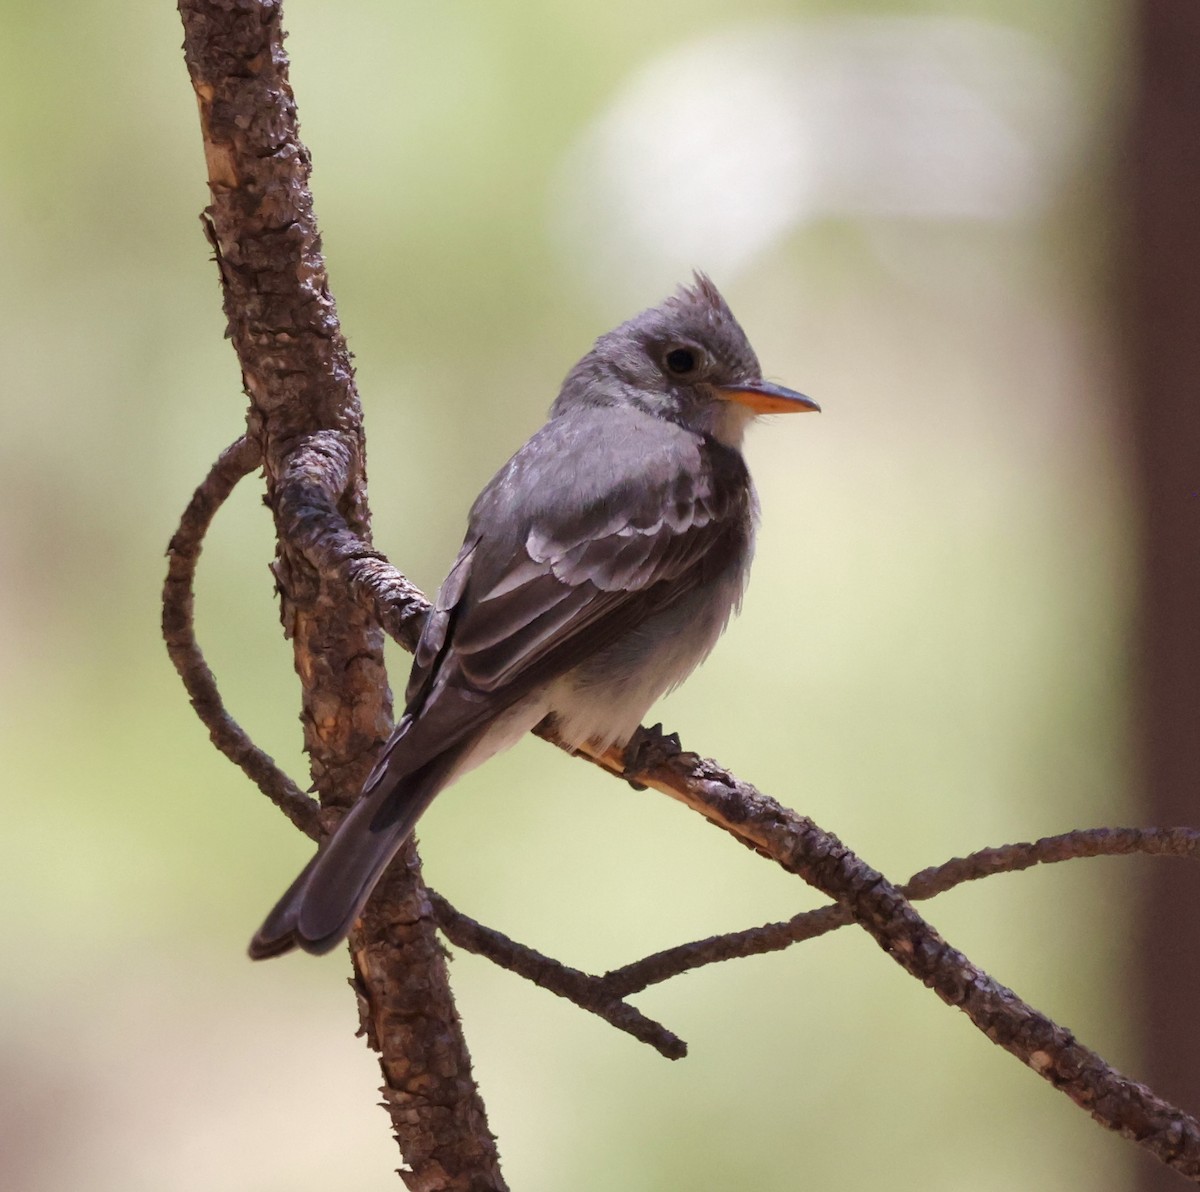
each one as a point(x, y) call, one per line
point(603, 700)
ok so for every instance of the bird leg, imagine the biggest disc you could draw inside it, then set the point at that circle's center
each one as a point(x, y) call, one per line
point(648, 748)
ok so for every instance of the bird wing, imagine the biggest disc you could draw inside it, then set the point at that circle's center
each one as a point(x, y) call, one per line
point(627, 532)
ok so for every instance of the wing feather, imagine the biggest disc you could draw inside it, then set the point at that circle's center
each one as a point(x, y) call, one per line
point(518, 610)
point(436, 629)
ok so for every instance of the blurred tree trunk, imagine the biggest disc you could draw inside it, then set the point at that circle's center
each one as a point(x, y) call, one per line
point(1162, 281)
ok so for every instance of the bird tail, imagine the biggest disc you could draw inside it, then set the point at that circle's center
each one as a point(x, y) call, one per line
point(320, 906)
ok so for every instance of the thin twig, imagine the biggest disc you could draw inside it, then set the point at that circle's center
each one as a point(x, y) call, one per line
point(179, 630)
point(598, 994)
point(1049, 850)
point(581, 988)
point(733, 945)
point(928, 883)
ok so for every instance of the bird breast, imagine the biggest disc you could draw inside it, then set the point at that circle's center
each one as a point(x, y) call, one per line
point(604, 699)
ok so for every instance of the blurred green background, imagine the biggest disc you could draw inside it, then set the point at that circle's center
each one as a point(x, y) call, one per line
point(908, 207)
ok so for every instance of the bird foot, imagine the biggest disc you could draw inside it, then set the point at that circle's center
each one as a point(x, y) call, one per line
point(647, 748)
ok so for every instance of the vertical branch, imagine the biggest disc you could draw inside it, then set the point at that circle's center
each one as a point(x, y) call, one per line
point(1163, 272)
point(305, 414)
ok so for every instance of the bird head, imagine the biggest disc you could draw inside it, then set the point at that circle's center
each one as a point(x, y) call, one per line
point(686, 360)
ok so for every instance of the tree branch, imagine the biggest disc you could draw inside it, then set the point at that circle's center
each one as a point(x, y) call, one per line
point(306, 420)
point(801, 847)
point(586, 991)
point(178, 624)
point(938, 879)
point(318, 470)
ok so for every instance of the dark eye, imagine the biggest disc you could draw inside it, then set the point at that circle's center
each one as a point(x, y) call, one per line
point(682, 361)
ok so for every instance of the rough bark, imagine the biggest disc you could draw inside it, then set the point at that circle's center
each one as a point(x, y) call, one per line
point(304, 413)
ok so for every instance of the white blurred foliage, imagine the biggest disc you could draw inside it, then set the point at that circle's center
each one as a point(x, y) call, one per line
point(720, 146)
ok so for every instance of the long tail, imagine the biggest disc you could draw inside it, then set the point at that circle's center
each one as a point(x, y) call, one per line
point(320, 906)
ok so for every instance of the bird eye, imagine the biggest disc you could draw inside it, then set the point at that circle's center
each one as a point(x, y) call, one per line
point(682, 361)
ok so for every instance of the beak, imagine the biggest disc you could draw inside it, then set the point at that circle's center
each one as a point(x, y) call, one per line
point(764, 398)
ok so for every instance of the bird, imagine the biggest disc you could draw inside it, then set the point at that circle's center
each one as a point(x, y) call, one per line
point(599, 567)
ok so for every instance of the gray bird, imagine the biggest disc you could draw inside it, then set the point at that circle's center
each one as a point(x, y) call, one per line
point(599, 568)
